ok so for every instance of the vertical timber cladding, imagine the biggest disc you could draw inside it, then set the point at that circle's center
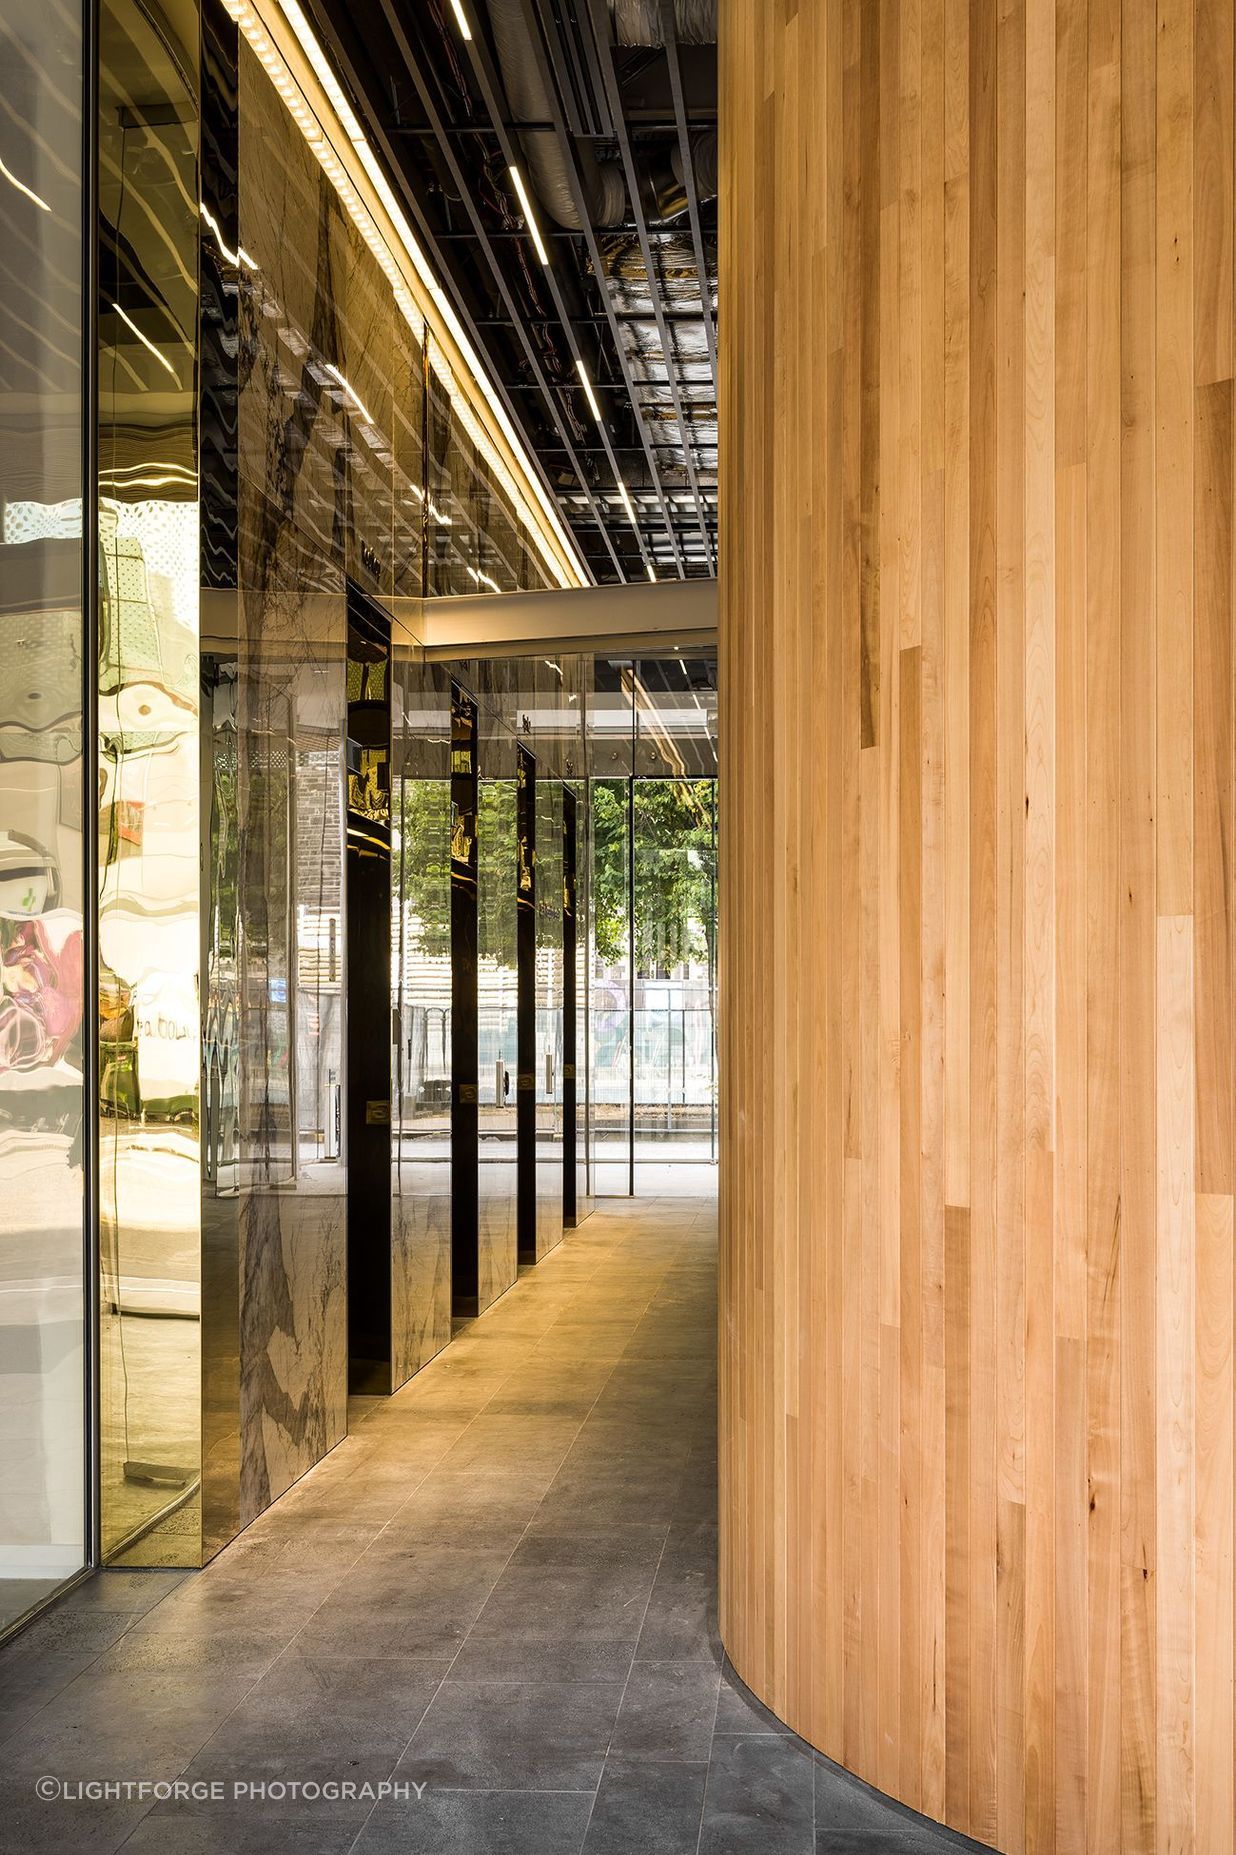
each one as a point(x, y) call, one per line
point(980, 784)
point(465, 1208)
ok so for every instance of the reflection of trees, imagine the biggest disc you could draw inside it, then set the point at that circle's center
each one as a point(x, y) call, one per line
point(497, 844)
point(422, 819)
point(675, 872)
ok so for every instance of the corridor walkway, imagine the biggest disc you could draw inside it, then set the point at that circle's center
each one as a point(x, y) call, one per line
point(498, 1594)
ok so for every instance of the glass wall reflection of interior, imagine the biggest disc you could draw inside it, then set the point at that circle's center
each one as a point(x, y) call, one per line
point(653, 926)
point(42, 1391)
point(421, 996)
point(549, 1007)
point(149, 772)
point(497, 1011)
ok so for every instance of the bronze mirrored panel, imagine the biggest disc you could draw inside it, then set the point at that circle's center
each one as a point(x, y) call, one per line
point(44, 1034)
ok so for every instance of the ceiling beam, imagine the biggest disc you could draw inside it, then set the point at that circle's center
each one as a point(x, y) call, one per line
point(670, 31)
point(490, 85)
point(533, 20)
point(412, 66)
point(600, 27)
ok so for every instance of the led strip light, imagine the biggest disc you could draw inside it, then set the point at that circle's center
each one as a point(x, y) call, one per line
point(329, 125)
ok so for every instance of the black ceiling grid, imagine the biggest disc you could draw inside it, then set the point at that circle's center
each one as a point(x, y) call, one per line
point(607, 108)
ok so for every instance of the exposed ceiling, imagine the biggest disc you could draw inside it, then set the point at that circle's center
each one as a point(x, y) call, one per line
point(596, 306)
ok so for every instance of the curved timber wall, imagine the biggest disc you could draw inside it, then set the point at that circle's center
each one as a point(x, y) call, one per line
point(979, 810)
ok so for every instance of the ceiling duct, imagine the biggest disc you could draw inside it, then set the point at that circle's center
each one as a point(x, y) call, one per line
point(604, 191)
point(669, 183)
point(638, 22)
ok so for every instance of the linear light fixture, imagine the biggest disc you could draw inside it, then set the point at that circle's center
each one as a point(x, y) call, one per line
point(399, 255)
point(589, 395)
point(529, 216)
point(351, 391)
point(21, 186)
point(147, 343)
point(627, 504)
point(461, 19)
point(652, 572)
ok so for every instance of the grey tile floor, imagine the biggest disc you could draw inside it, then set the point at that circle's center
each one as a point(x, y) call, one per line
point(499, 1590)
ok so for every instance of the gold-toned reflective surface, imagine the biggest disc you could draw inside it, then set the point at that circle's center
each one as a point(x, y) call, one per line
point(497, 1012)
point(148, 785)
point(42, 1409)
point(421, 1001)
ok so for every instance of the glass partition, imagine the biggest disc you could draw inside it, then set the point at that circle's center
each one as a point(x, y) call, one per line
point(497, 1013)
point(549, 1014)
point(675, 1101)
point(42, 1302)
point(149, 777)
point(421, 991)
point(610, 987)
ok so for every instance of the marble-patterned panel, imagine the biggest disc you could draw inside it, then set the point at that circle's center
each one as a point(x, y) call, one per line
point(291, 705)
point(293, 1337)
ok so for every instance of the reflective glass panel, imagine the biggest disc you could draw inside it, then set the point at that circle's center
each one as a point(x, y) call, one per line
point(42, 1403)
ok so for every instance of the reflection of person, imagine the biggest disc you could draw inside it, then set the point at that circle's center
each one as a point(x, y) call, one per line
point(41, 981)
point(40, 989)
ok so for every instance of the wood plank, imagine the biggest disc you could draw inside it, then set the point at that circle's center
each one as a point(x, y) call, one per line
point(1175, 1375)
point(1102, 731)
point(1137, 943)
point(978, 1413)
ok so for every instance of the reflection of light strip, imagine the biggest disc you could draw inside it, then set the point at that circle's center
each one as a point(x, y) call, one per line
point(361, 838)
point(644, 702)
point(529, 216)
point(351, 391)
point(545, 525)
point(589, 395)
point(151, 483)
point(173, 472)
point(146, 342)
point(240, 255)
point(21, 186)
point(483, 579)
point(461, 19)
point(443, 521)
point(629, 506)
